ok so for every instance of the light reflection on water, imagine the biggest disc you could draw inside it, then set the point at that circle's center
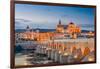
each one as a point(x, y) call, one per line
point(23, 57)
point(28, 57)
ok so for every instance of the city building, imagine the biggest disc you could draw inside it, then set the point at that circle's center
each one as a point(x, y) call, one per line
point(70, 29)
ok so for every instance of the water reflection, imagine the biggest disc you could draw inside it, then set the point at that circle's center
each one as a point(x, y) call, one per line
point(29, 57)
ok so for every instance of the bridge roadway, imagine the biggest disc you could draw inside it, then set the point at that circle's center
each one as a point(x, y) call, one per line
point(33, 44)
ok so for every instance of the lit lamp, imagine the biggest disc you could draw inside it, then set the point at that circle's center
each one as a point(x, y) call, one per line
point(90, 59)
point(59, 52)
point(65, 54)
point(75, 56)
point(48, 48)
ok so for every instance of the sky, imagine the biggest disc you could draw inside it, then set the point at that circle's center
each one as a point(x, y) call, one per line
point(47, 17)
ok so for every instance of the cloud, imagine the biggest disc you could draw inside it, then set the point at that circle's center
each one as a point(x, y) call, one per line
point(23, 20)
point(21, 23)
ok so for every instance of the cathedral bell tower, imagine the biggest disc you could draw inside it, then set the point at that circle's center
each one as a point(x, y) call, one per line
point(59, 28)
point(27, 28)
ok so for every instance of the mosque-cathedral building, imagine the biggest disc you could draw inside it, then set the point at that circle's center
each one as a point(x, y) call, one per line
point(72, 30)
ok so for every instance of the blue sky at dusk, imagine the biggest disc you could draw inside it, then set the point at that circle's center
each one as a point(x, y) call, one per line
point(42, 16)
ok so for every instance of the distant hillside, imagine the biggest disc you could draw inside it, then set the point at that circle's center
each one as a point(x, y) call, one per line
point(20, 30)
point(41, 30)
point(46, 30)
point(85, 31)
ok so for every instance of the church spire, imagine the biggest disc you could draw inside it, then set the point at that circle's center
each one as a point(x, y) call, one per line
point(59, 22)
point(27, 28)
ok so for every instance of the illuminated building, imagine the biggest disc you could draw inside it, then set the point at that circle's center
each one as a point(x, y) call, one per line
point(70, 29)
point(90, 34)
point(73, 30)
point(60, 28)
